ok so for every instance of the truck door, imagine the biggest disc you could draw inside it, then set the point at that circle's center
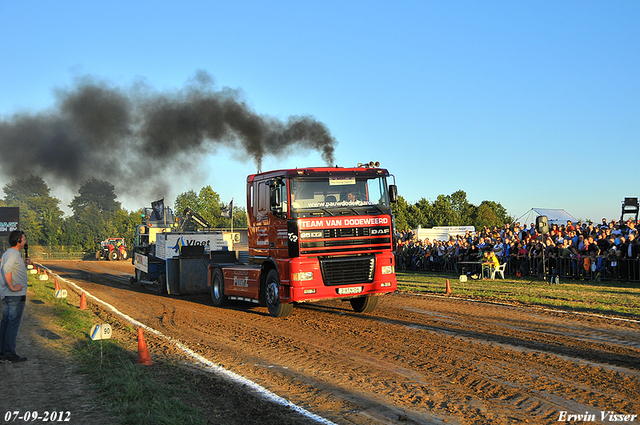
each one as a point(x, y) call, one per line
point(258, 221)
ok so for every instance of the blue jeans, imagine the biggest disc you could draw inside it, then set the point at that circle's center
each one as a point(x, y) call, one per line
point(12, 309)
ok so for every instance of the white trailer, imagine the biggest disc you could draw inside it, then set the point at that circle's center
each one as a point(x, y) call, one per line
point(442, 233)
point(176, 262)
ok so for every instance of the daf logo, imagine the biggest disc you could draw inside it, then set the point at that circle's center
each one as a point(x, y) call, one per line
point(384, 231)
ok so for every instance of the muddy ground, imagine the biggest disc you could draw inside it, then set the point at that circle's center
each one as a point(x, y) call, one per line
point(416, 359)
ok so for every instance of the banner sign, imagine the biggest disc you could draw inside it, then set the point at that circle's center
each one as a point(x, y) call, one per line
point(158, 209)
point(9, 220)
point(340, 222)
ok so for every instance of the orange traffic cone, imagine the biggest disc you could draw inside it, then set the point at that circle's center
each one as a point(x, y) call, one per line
point(57, 287)
point(448, 287)
point(83, 302)
point(143, 352)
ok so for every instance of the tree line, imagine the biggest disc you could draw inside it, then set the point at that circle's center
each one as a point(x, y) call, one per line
point(97, 215)
point(449, 210)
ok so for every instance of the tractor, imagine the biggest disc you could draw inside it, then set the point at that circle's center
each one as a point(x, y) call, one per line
point(112, 249)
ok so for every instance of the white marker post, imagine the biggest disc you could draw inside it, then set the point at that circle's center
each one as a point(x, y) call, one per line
point(100, 332)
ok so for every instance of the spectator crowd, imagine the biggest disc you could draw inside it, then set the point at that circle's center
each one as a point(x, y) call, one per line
point(609, 250)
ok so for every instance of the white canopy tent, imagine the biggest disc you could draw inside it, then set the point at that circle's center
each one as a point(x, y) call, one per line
point(554, 216)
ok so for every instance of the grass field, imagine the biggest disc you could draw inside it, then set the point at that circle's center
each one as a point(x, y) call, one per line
point(606, 298)
point(131, 392)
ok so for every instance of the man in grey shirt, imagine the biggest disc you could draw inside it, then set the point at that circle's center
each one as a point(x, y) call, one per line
point(13, 291)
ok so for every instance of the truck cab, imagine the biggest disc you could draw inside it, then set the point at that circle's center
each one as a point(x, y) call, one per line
point(315, 234)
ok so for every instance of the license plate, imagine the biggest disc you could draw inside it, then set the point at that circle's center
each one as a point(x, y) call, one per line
point(352, 290)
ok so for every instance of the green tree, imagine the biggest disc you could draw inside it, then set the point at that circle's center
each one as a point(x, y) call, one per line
point(443, 213)
point(26, 189)
point(40, 215)
point(400, 212)
point(421, 214)
point(449, 210)
point(94, 211)
point(71, 235)
point(98, 193)
point(184, 200)
point(207, 203)
point(490, 213)
point(211, 206)
point(239, 218)
point(486, 216)
point(461, 208)
point(124, 225)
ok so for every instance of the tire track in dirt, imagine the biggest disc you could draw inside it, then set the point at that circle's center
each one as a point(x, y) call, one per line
point(415, 359)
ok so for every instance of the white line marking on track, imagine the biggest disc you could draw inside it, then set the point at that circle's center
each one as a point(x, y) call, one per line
point(207, 364)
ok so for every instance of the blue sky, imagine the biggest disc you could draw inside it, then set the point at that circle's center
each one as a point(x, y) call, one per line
point(530, 104)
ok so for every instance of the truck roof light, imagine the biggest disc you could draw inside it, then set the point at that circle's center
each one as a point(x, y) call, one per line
point(370, 164)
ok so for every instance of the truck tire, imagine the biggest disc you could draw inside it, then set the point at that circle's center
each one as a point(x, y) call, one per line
point(272, 296)
point(217, 289)
point(113, 256)
point(364, 304)
point(139, 276)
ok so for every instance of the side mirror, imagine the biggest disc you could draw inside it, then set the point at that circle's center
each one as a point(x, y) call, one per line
point(393, 193)
point(275, 196)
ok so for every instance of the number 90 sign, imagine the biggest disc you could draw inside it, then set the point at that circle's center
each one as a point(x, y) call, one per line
point(101, 332)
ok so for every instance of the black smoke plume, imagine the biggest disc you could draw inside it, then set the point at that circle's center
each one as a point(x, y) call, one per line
point(126, 136)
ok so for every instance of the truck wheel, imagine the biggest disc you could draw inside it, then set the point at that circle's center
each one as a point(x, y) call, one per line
point(272, 296)
point(113, 256)
point(217, 289)
point(364, 304)
point(139, 276)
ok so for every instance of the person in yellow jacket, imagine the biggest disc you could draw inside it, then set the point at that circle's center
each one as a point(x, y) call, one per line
point(490, 263)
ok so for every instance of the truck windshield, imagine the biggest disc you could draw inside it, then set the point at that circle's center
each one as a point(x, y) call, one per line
point(330, 193)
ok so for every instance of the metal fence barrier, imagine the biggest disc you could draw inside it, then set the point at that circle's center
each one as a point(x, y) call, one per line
point(585, 268)
point(60, 255)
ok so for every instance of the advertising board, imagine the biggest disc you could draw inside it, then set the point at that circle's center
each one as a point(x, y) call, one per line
point(169, 245)
point(9, 220)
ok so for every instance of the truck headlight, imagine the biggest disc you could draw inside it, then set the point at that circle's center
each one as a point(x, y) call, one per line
point(388, 270)
point(303, 276)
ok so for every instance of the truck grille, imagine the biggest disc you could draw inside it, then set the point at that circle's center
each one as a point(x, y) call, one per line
point(347, 270)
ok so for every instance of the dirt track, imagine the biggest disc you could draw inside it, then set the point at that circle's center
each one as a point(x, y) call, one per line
point(416, 359)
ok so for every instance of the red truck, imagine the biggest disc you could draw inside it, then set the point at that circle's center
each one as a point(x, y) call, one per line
point(313, 234)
